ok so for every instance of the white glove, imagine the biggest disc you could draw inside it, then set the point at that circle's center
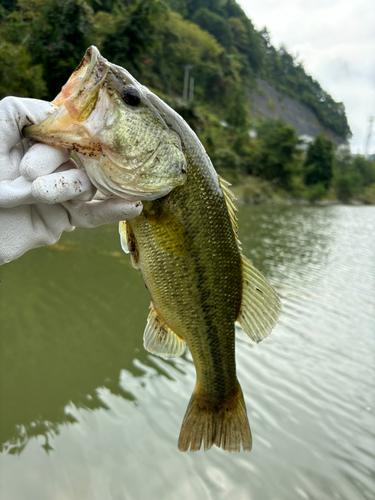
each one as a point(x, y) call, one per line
point(38, 184)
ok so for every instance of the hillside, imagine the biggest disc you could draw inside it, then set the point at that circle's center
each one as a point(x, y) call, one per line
point(241, 83)
point(267, 103)
point(155, 40)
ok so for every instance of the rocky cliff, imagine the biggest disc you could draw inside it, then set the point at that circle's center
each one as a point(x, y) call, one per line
point(267, 102)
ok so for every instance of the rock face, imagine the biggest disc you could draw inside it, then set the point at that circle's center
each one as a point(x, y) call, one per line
point(267, 102)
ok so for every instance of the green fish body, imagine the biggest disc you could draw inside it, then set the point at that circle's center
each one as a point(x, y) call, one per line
point(187, 250)
point(133, 145)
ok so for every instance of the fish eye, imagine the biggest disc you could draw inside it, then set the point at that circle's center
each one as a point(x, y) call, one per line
point(131, 97)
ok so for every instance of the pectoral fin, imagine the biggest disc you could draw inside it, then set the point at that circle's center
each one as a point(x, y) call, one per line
point(260, 307)
point(129, 243)
point(159, 339)
point(123, 239)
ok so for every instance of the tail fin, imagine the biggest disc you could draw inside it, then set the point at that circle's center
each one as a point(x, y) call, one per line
point(225, 426)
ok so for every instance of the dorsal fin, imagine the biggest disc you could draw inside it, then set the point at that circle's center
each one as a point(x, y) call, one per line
point(260, 305)
point(232, 209)
point(159, 339)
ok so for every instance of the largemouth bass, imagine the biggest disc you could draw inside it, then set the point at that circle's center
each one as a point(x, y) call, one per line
point(184, 243)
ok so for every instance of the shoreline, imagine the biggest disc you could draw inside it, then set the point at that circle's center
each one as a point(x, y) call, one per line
point(299, 202)
point(256, 191)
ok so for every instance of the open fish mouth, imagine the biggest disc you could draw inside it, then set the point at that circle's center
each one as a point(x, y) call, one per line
point(90, 72)
point(76, 101)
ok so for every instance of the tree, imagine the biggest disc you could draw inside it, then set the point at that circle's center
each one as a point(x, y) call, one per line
point(185, 43)
point(135, 35)
point(59, 39)
point(17, 74)
point(276, 152)
point(214, 24)
point(318, 166)
point(352, 174)
point(366, 169)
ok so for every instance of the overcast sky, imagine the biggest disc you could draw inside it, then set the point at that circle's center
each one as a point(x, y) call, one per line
point(335, 40)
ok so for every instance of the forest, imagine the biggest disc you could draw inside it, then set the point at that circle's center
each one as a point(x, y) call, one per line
point(42, 41)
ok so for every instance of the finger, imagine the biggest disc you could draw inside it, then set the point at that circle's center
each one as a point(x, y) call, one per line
point(63, 186)
point(97, 213)
point(16, 192)
point(15, 114)
point(32, 226)
point(41, 160)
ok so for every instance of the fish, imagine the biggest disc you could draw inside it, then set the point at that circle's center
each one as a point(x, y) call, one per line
point(184, 243)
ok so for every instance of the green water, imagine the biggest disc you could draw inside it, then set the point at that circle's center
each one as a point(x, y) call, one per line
point(86, 413)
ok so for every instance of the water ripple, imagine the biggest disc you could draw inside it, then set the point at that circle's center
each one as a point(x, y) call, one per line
point(112, 413)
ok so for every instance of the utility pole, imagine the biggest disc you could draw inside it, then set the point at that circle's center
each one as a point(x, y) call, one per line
point(185, 93)
point(186, 81)
point(191, 90)
point(370, 127)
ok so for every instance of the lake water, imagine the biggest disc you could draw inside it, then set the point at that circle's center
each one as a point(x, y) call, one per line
point(87, 414)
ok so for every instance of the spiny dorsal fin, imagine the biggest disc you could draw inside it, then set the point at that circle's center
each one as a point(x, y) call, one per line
point(232, 209)
point(159, 339)
point(260, 307)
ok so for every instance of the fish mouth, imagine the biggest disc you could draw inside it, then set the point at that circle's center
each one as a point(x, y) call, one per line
point(89, 74)
point(75, 102)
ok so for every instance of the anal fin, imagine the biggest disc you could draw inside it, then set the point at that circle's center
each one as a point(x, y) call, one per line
point(260, 306)
point(159, 339)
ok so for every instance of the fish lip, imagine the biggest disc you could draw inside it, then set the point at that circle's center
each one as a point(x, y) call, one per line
point(76, 101)
point(77, 81)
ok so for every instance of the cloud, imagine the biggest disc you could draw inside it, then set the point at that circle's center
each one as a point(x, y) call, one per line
point(336, 43)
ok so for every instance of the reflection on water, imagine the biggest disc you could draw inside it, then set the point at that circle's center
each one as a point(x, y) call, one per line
point(66, 330)
point(86, 413)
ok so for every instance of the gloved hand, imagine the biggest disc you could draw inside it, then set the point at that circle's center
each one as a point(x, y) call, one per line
point(42, 193)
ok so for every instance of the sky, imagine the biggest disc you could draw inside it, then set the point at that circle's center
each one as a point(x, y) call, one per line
point(335, 41)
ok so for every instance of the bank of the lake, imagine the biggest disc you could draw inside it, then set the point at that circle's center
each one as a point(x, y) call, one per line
point(251, 190)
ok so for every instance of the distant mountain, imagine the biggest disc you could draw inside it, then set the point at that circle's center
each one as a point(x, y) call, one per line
point(42, 41)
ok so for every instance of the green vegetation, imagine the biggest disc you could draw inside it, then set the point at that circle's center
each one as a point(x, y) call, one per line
point(318, 166)
point(43, 40)
point(58, 38)
point(354, 177)
point(276, 154)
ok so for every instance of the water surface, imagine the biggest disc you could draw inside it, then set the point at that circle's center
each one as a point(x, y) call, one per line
point(86, 413)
